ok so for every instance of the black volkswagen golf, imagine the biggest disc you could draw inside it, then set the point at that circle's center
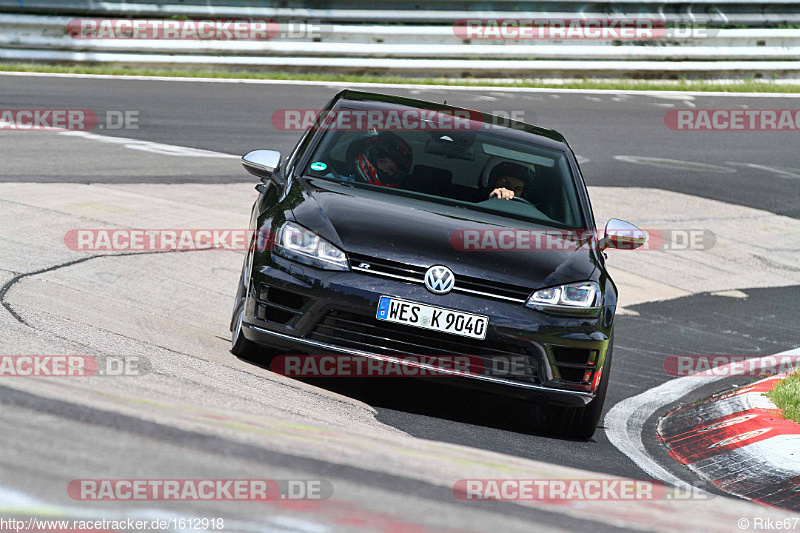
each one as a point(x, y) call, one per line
point(399, 227)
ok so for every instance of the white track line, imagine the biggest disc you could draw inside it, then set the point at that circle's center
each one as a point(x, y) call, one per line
point(346, 85)
point(625, 421)
point(149, 146)
point(133, 144)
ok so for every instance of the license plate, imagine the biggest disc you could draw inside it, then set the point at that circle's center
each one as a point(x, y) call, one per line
point(433, 318)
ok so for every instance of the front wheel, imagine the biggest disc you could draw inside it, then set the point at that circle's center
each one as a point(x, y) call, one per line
point(240, 346)
point(580, 422)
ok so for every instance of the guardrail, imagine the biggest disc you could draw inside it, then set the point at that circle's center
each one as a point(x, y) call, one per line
point(431, 49)
point(726, 12)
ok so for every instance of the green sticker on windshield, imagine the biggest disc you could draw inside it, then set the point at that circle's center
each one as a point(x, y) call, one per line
point(319, 165)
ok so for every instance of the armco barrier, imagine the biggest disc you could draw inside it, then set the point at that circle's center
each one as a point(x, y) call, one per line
point(426, 42)
point(728, 12)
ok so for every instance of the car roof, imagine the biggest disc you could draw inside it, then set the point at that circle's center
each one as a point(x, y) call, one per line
point(503, 125)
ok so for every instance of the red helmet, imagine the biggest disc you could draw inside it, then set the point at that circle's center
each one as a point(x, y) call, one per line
point(383, 145)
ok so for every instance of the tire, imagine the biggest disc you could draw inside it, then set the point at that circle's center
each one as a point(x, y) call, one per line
point(580, 422)
point(240, 346)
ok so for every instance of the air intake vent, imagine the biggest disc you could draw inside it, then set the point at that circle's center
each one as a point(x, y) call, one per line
point(575, 365)
point(277, 305)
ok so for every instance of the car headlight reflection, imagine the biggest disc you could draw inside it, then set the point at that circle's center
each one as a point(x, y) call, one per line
point(304, 246)
point(574, 298)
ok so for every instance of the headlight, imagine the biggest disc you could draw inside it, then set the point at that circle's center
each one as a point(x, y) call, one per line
point(304, 246)
point(574, 299)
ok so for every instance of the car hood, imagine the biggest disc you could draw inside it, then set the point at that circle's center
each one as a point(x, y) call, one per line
point(393, 226)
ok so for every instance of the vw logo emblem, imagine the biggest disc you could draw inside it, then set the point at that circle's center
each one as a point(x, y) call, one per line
point(439, 279)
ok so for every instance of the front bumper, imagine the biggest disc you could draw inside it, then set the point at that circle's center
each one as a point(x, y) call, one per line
point(289, 307)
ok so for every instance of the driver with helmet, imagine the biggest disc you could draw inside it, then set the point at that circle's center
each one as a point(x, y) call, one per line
point(385, 159)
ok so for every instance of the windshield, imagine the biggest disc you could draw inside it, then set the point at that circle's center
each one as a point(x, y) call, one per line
point(476, 169)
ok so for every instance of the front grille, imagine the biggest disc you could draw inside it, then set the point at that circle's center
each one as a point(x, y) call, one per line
point(359, 332)
point(416, 274)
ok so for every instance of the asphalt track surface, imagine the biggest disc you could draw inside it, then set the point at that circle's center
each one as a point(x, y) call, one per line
point(235, 118)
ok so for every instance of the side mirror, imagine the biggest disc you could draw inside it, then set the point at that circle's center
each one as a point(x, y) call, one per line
point(263, 164)
point(622, 235)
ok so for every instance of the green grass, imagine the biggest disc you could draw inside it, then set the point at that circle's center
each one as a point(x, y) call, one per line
point(750, 86)
point(786, 395)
